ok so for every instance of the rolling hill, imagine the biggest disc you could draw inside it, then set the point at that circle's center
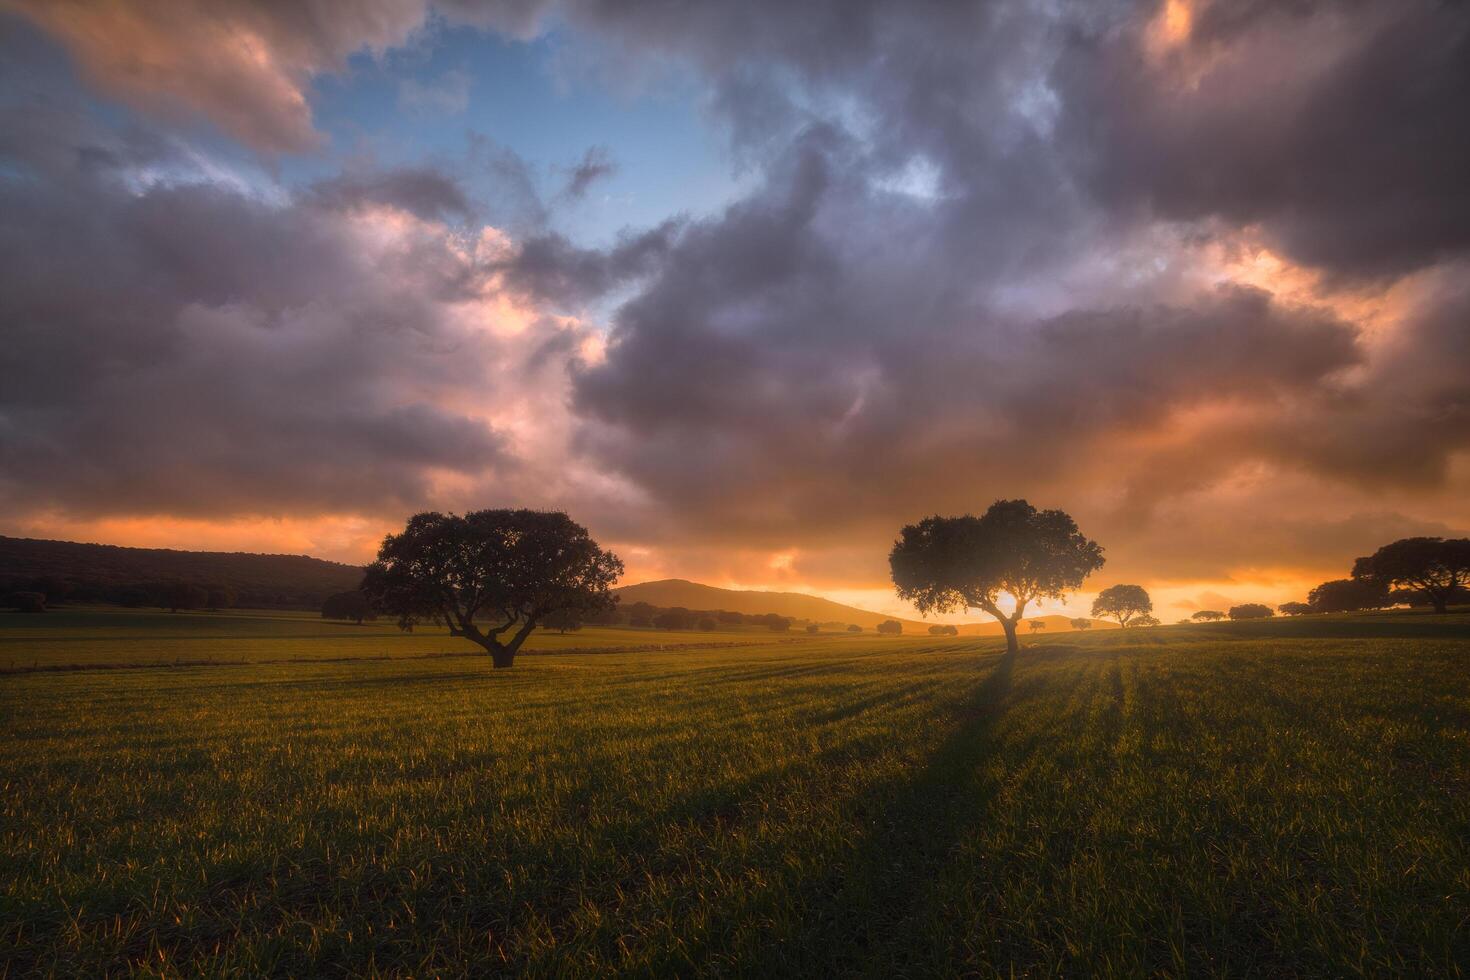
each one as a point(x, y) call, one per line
point(99, 572)
point(799, 605)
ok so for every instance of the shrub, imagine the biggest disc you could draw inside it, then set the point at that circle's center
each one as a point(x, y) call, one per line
point(890, 627)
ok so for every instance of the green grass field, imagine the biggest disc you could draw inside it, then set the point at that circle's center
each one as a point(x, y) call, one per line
point(1287, 797)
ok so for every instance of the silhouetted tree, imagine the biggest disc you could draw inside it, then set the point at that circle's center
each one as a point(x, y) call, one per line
point(1348, 595)
point(1251, 610)
point(1144, 619)
point(776, 623)
point(1437, 567)
point(944, 563)
point(1036, 625)
point(352, 605)
point(944, 629)
point(1123, 603)
point(562, 620)
point(890, 627)
point(676, 618)
point(730, 618)
point(1081, 623)
point(510, 568)
point(707, 625)
point(854, 628)
point(1295, 608)
point(813, 628)
point(27, 602)
point(1208, 616)
point(183, 595)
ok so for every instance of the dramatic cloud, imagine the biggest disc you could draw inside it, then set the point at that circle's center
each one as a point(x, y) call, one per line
point(242, 65)
point(1193, 271)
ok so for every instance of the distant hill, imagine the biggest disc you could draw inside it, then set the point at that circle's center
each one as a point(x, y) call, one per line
point(799, 605)
point(104, 572)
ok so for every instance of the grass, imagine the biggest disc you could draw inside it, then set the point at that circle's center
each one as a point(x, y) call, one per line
point(1243, 799)
point(70, 637)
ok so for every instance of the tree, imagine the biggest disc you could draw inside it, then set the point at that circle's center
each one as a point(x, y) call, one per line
point(562, 620)
point(1437, 567)
point(707, 625)
point(639, 621)
point(219, 597)
point(1347, 595)
point(945, 563)
point(510, 568)
point(854, 628)
point(730, 618)
point(1081, 623)
point(1208, 616)
point(943, 629)
point(28, 602)
point(1251, 610)
point(352, 605)
point(890, 627)
point(676, 618)
point(813, 628)
point(183, 595)
point(1036, 625)
point(1122, 602)
point(1295, 608)
point(1144, 619)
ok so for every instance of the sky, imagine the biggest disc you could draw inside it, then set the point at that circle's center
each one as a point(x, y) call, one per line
point(743, 288)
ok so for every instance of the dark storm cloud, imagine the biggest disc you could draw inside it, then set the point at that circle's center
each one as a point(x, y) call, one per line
point(1338, 127)
point(172, 345)
point(550, 269)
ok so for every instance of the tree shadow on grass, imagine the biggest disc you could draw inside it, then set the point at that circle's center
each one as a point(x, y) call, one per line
point(865, 913)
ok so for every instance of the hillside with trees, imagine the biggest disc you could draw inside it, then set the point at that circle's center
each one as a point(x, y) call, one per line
point(67, 571)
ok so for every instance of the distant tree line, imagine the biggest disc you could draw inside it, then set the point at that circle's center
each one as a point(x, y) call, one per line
point(39, 594)
point(1432, 572)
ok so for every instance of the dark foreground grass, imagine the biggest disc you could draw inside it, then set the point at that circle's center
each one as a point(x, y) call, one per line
point(1247, 805)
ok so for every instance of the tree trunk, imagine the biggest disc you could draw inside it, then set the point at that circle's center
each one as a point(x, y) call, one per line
point(1441, 603)
point(1013, 645)
point(502, 656)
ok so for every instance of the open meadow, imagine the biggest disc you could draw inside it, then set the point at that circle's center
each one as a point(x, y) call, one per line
point(1285, 796)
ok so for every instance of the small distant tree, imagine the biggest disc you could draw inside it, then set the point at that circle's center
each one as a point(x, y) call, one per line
point(854, 628)
point(1251, 610)
point(1348, 595)
point(944, 629)
point(707, 625)
point(813, 628)
point(1294, 608)
point(352, 605)
point(1208, 616)
point(562, 620)
point(1145, 619)
point(730, 618)
point(510, 568)
point(1123, 603)
point(184, 596)
point(1081, 623)
point(944, 563)
point(1437, 567)
point(890, 627)
point(777, 624)
point(1036, 625)
point(643, 611)
point(27, 602)
point(676, 618)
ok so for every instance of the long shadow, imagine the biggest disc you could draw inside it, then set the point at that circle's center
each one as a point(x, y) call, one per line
point(856, 918)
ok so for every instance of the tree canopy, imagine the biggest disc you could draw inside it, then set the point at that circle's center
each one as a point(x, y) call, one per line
point(508, 569)
point(1251, 610)
point(1123, 603)
point(1208, 616)
point(1436, 567)
point(1348, 595)
point(946, 563)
